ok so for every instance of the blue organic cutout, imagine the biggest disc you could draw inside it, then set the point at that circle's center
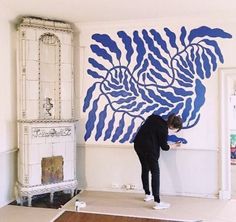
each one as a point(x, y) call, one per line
point(174, 138)
point(145, 74)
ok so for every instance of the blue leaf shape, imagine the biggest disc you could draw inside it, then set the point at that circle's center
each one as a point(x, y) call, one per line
point(94, 74)
point(133, 88)
point(143, 68)
point(182, 36)
point(128, 133)
point(190, 64)
point(101, 123)
point(206, 31)
point(149, 77)
point(213, 58)
point(91, 120)
point(161, 110)
point(119, 129)
point(149, 108)
point(125, 82)
point(183, 70)
point(157, 64)
point(187, 109)
point(114, 80)
point(214, 44)
point(184, 84)
point(196, 120)
point(110, 128)
point(192, 53)
point(106, 87)
point(143, 95)
point(138, 107)
point(114, 86)
point(183, 77)
point(206, 65)
point(174, 139)
point(128, 45)
point(127, 100)
point(101, 53)
point(122, 93)
point(106, 41)
point(128, 106)
point(158, 76)
point(152, 47)
point(88, 96)
point(182, 92)
point(200, 98)
point(183, 62)
point(133, 135)
point(120, 76)
point(177, 108)
point(199, 68)
point(172, 38)
point(157, 37)
point(97, 65)
point(170, 96)
point(144, 77)
point(140, 49)
point(158, 98)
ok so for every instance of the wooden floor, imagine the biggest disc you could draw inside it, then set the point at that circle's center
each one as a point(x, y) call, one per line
point(69, 216)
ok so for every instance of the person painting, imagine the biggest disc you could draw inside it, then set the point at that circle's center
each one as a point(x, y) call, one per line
point(152, 136)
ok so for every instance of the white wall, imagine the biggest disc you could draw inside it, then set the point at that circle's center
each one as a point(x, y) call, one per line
point(192, 170)
point(7, 109)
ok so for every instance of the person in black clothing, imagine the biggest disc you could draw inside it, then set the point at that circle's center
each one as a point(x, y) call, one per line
point(152, 136)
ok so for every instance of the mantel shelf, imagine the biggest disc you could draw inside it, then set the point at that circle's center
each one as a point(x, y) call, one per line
point(47, 121)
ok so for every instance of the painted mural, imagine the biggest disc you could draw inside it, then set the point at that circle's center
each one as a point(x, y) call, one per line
point(146, 72)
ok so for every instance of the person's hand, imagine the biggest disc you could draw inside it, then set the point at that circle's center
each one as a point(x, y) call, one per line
point(175, 145)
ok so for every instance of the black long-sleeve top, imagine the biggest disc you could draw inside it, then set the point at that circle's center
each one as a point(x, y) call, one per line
point(152, 135)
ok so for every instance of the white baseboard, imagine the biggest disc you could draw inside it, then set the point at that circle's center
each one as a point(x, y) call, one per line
point(210, 196)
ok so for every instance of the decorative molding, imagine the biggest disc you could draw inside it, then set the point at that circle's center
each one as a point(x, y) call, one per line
point(35, 22)
point(47, 121)
point(39, 189)
point(51, 132)
point(48, 38)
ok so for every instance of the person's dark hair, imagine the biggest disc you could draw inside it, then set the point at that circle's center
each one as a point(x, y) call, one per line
point(175, 122)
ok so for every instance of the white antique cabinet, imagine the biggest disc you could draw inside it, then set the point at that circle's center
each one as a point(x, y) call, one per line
point(45, 108)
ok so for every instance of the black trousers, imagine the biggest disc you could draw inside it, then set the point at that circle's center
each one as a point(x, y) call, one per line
point(149, 163)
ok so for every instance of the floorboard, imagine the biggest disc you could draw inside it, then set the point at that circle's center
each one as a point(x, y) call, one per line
point(69, 216)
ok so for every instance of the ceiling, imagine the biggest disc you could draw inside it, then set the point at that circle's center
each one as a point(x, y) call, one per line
point(111, 10)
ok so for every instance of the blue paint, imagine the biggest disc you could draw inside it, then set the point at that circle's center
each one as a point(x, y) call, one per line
point(142, 76)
